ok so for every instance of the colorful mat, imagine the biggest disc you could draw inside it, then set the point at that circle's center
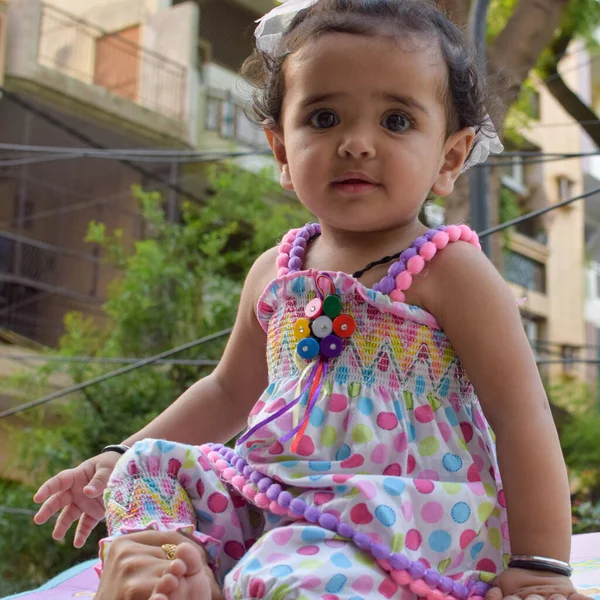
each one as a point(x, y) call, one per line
point(81, 581)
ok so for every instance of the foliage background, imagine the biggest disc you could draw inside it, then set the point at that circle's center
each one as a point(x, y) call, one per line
point(181, 283)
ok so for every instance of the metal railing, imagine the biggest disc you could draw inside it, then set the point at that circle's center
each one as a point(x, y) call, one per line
point(227, 115)
point(46, 267)
point(113, 61)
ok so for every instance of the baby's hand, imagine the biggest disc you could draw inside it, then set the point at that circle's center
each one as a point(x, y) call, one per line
point(513, 584)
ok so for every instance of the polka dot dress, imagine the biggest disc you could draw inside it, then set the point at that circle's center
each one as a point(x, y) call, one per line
point(373, 475)
point(397, 444)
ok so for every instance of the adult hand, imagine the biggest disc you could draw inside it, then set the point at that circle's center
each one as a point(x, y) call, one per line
point(135, 563)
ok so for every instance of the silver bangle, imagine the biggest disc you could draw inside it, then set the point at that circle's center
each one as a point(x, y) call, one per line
point(540, 563)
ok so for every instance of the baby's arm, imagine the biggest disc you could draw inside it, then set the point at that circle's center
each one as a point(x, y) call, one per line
point(215, 408)
point(478, 313)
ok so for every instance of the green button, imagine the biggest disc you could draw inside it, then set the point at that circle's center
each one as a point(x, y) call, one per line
point(332, 306)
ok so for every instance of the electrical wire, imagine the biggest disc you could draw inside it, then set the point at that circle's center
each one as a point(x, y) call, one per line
point(167, 157)
point(104, 360)
point(138, 154)
point(83, 205)
point(110, 375)
point(537, 213)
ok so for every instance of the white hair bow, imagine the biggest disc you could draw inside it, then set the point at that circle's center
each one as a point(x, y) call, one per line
point(274, 23)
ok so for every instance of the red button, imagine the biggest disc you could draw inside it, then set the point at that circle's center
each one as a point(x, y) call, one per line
point(344, 326)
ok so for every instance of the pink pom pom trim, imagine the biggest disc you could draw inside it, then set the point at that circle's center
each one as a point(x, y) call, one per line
point(261, 500)
point(440, 239)
point(276, 509)
point(465, 233)
point(289, 238)
point(249, 491)
point(428, 250)
point(453, 233)
point(420, 587)
point(283, 271)
point(282, 260)
point(401, 577)
point(415, 265)
point(239, 482)
point(398, 296)
point(403, 281)
point(285, 248)
point(436, 595)
point(229, 473)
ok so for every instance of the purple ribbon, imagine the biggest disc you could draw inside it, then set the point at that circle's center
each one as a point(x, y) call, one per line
point(313, 401)
point(283, 410)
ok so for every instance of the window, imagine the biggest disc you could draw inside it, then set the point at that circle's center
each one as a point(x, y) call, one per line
point(524, 271)
point(533, 327)
point(565, 188)
point(513, 176)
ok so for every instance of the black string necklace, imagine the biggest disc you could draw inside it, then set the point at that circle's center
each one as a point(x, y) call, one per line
point(371, 265)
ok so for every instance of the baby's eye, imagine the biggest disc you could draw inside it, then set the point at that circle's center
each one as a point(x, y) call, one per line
point(324, 119)
point(396, 122)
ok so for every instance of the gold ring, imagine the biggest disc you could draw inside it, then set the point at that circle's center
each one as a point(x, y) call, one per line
point(169, 550)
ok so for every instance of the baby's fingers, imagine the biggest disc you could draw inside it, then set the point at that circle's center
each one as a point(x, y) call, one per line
point(51, 506)
point(67, 517)
point(84, 528)
point(494, 593)
point(98, 483)
point(59, 483)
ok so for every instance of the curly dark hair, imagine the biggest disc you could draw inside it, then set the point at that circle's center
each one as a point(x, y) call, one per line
point(465, 91)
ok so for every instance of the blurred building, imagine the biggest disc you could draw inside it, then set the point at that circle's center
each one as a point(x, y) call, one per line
point(544, 258)
point(117, 74)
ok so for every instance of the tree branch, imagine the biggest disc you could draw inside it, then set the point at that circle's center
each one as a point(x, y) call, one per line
point(571, 102)
point(517, 48)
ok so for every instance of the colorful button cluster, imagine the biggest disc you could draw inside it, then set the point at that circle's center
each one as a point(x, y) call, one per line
point(269, 495)
point(323, 329)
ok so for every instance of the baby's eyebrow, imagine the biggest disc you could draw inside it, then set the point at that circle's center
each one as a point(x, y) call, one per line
point(318, 98)
point(408, 101)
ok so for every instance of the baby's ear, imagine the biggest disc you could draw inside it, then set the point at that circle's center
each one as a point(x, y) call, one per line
point(456, 151)
point(276, 141)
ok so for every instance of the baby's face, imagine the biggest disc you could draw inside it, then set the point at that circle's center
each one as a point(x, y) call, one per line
point(364, 126)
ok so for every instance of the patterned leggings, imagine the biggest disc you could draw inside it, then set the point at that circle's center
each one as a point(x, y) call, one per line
point(253, 552)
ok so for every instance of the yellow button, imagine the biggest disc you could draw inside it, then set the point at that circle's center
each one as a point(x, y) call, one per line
point(301, 329)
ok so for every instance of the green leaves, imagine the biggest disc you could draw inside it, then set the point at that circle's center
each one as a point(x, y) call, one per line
point(180, 283)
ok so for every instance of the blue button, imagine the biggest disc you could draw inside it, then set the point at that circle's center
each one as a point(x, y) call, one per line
point(308, 348)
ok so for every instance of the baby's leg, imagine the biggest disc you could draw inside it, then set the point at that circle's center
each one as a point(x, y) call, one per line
point(166, 486)
point(306, 562)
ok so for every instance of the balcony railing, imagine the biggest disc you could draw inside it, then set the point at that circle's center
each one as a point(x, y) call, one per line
point(29, 263)
point(228, 117)
point(113, 61)
point(524, 271)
